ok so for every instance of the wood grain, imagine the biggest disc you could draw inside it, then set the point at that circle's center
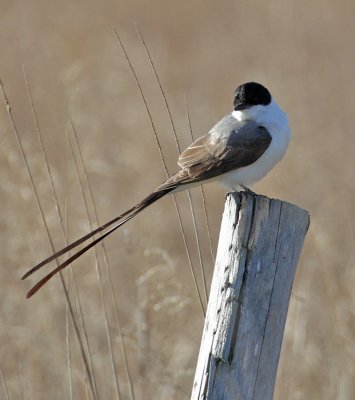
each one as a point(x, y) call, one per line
point(259, 246)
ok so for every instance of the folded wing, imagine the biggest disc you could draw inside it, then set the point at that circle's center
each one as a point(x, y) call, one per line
point(228, 146)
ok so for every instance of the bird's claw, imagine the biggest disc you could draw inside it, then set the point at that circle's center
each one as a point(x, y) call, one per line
point(247, 190)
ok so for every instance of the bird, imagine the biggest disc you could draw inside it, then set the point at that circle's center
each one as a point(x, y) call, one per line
point(238, 151)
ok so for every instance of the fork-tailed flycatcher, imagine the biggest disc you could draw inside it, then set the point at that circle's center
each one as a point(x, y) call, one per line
point(238, 151)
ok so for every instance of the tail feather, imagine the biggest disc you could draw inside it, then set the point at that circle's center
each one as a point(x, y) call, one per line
point(118, 221)
point(76, 243)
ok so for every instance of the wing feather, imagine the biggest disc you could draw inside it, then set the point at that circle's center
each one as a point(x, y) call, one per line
point(198, 152)
point(229, 145)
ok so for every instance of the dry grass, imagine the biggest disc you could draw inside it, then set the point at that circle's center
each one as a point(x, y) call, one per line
point(304, 53)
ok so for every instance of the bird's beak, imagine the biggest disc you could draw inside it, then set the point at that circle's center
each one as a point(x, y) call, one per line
point(240, 107)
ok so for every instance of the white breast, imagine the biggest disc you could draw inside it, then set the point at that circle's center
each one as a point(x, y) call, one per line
point(275, 121)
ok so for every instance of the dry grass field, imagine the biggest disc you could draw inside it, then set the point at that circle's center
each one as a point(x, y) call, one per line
point(302, 51)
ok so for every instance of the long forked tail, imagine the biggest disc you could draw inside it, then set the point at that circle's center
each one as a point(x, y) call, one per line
point(112, 225)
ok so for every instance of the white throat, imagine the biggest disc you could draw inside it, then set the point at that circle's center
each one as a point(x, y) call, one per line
point(270, 116)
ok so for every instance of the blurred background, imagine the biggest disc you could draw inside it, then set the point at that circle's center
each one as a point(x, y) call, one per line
point(75, 67)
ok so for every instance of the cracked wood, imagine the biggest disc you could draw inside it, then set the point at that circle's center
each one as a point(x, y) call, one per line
point(259, 246)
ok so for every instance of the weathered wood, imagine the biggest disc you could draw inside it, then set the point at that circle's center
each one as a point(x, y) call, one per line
point(260, 242)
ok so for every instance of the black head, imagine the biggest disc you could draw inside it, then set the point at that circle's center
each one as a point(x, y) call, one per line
point(250, 94)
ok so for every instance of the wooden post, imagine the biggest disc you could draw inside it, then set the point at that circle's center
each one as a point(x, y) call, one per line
point(259, 245)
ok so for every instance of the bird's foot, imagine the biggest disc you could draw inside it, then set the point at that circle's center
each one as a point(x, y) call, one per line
point(237, 190)
point(247, 190)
